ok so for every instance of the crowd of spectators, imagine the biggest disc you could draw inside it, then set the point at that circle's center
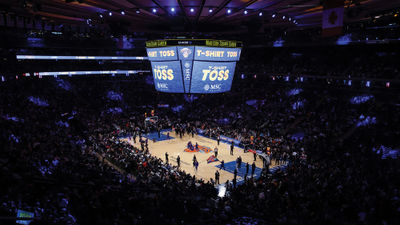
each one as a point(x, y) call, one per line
point(63, 160)
point(360, 61)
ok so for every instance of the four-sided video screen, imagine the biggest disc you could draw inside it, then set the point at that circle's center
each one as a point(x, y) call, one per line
point(193, 69)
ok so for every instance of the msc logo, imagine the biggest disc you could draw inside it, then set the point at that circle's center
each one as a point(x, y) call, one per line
point(208, 87)
point(162, 86)
point(187, 65)
point(186, 52)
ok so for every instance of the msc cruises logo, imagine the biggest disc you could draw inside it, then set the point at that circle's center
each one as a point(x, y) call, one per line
point(162, 86)
point(186, 52)
point(208, 87)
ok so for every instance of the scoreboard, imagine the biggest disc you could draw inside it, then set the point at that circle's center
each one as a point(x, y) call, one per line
point(186, 68)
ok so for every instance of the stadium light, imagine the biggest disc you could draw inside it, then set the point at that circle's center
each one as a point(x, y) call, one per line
point(123, 13)
point(260, 14)
point(210, 10)
point(154, 10)
point(290, 19)
point(283, 17)
point(110, 13)
point(229, 11)
point(137, 11)
point(101, 15)
point(172, 9)
point(273, 15)
point(245, 12)
point(191, 10)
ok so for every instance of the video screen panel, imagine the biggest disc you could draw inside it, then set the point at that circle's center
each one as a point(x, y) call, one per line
point(216, 54)
point(162, 54)
point(187, 67)
point(212, 77)
point(167, 76)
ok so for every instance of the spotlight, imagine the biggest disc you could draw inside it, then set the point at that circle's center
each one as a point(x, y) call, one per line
point(229, 11)
point(137, 11)
point(273, 15)
point(101, 16)
point(290, 19)
point(245, 12)
point(283, 17)
point(172, 9)
point(191, 10)
point(210, 10)
point(260, 14)
point(123, 13)
point(110, 13)
point(154, 10)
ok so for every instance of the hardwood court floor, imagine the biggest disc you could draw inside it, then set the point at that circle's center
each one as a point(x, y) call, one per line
point(205, 171)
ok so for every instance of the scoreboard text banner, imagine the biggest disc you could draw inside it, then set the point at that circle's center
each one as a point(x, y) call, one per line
point(186, 59)
point(167, 76)
point(212, 77)
point(216, 54)
point(162, 54)
point(187, 67)
point(194, 42)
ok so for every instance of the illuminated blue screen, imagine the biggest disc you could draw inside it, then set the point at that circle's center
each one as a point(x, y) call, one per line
point(216, 54)
point(193, 69)
point(162, 54)
point(167, 76)
point(24, 214)
point(187, 67)
point(212, 77)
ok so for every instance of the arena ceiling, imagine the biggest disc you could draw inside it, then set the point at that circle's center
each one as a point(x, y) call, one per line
point(186, 15)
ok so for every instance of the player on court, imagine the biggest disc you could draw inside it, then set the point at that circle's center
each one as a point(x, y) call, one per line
point(216, 152)
point(232, 146)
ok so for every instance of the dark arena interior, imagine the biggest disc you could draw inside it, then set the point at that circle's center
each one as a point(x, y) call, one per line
point(173, 112)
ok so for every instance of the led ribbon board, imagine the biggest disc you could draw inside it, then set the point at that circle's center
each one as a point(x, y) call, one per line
point(70, 73)
point(59, 57)
point(187, 68)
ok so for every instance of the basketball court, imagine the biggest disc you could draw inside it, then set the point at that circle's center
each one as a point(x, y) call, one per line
point(174, 146)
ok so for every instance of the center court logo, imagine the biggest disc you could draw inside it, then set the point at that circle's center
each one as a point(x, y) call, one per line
point(186, 52)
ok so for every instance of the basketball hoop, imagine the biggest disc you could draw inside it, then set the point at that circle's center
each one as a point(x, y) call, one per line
point(150, 121)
